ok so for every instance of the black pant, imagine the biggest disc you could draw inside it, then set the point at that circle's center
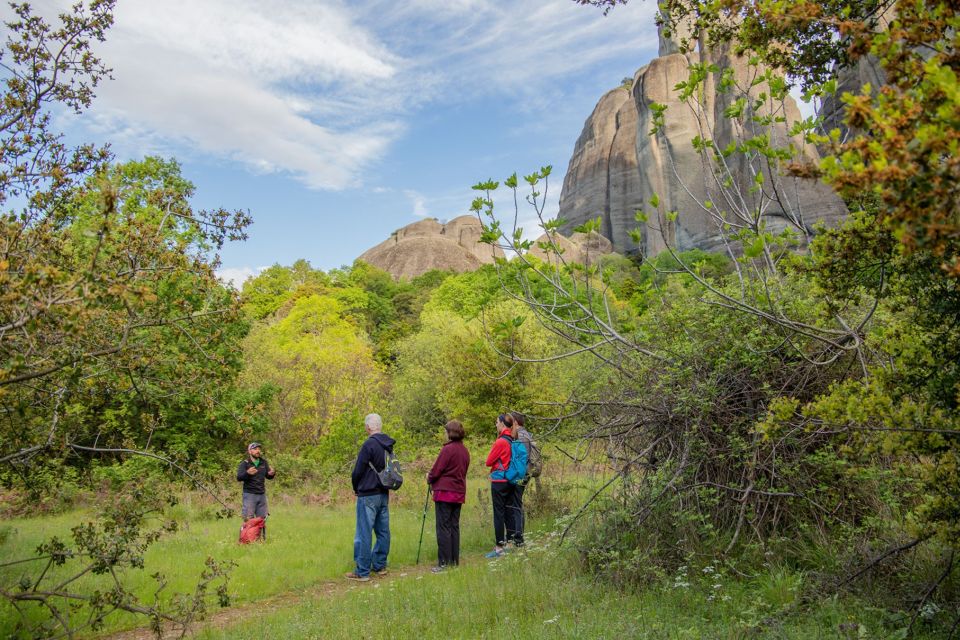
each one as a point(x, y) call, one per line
point(448, 533)
point(515, 508)
point(504, 522)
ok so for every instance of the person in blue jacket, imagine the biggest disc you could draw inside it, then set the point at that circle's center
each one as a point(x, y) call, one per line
point(373, 501)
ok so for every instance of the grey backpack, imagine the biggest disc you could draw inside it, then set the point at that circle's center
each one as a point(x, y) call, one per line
point(392, 475)
point(534, 459)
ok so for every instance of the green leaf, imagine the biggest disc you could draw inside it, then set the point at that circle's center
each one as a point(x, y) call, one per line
point(755, 249)
point(489, 185)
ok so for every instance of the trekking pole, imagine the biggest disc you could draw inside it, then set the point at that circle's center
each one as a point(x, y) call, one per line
point(423, 522)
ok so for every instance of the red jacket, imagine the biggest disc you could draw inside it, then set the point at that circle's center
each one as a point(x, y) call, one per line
point(499, 457)
point(449, 472)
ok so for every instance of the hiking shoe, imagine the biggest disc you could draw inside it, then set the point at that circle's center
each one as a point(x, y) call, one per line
point(437, 569)
point(496, 553)
point(353, 576)
point(381, 572)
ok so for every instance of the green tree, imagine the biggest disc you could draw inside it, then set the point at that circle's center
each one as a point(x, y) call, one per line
point(320, 366)
point(108, 308)
point(472, 364)
point(265, 293)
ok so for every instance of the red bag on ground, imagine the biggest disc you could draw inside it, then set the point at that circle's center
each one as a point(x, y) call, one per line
point(250, 532)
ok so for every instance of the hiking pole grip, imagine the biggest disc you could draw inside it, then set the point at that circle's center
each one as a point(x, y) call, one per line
point(423, 522)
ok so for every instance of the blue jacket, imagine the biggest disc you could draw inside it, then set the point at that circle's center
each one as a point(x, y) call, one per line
point(365, 480)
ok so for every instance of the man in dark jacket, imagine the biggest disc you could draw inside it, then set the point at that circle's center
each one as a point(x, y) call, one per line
point(253, 472)
point(373, 515)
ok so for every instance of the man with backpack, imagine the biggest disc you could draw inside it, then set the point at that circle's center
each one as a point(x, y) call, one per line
point(253, 472)
point(375, 473)
point(534, 465)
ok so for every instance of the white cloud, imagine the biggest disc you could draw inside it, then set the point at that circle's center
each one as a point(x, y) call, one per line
point(419, 203)
point(486, 45)
point(293, 40)
point(240, 80)
point(236, 276)
point(320, 89)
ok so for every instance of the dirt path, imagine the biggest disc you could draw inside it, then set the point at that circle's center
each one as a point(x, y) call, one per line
point(220, 618)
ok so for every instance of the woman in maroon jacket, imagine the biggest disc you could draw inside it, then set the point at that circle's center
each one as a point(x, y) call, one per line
point(448, 479)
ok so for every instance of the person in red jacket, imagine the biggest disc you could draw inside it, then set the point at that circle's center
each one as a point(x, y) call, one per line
point(501, 491)
point(448, 480)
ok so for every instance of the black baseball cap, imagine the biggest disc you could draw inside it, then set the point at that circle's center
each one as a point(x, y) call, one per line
point(253, 445)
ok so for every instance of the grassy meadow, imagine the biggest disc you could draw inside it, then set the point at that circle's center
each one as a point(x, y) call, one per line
point(540, 594)
point(291, 586)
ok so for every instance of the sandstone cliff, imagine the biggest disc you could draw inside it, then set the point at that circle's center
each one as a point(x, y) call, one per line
point(455, 246)
point(617, 167)
point(427, 244)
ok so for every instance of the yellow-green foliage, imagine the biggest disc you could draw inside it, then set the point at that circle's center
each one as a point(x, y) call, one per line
point(452, 369)
point(319, 365)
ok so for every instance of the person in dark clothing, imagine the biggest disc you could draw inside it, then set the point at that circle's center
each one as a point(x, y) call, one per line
point(373, 501)
point(448, 480)
point(501, 491)
point(516, 507)
point(253, 472)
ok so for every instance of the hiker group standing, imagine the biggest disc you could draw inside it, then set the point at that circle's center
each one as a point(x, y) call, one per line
point(513, 460)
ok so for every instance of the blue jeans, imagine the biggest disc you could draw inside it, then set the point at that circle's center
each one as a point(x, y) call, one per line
point(373, 517)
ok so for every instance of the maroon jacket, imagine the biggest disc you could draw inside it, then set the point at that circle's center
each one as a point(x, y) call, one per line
point(449, 472)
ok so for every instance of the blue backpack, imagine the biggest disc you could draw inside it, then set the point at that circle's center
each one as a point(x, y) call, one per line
point(517, 471)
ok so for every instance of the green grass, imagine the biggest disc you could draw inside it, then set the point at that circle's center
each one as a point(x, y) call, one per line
point(281, 588)
point(306, 544)
point(540, 594)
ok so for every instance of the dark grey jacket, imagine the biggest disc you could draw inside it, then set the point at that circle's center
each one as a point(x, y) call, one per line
point(254, 483)
point(365, 480)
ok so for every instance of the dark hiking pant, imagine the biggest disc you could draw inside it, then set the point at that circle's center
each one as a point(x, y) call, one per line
point(516, 515)
point(448, 533)
point(504, 524)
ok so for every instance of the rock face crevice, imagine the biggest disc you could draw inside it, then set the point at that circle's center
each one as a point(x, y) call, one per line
point(617, 167)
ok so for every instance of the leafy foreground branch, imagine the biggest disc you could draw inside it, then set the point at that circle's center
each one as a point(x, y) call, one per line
point(72, 586)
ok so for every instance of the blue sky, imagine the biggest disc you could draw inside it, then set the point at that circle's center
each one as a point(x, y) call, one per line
point(336, 123)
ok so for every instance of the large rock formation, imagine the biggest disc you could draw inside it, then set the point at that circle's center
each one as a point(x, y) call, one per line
point(617, 166)
point(427, 244)
point(581, 248)
point(603, 179)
